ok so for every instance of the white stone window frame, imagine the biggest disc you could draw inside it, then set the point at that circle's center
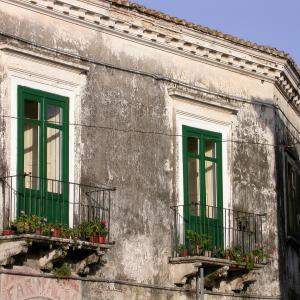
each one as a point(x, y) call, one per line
point(187, 111)
point(26, 68)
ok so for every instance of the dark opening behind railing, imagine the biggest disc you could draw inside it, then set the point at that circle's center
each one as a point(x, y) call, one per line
point(216, 229)
point(57, 201)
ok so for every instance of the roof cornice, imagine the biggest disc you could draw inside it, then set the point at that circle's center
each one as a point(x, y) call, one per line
point(159, 15)
point(98, 14)
point(134, 22)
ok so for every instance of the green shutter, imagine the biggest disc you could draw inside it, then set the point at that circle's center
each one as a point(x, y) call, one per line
point(43, 141)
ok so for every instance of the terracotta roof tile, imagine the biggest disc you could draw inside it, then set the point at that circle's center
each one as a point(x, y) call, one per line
point(175, 20)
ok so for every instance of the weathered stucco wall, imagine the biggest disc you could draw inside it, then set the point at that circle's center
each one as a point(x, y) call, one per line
point(123, 150)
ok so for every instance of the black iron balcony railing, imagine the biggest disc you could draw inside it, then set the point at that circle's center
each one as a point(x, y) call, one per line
point(203, 230)
point(58, 202)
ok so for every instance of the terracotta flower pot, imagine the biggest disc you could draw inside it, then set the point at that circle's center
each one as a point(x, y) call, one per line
point(207, 253)
point(102, 239)
point(8, 232)
point(184, 253)
point(38, 231)
point(55, 232)
point(94, 239)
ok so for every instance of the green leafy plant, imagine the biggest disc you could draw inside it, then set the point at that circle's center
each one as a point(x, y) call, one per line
point(46, 230)
point(261, 254)
point(102, 228)
point(218, 252)
point(22, 224)
point(199, 242)
point(65, 231)
point(86, 229)
point(63, 271)
point(235, 253)
point(27, 224)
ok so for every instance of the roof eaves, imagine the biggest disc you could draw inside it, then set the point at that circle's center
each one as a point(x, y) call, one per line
point(159, 15)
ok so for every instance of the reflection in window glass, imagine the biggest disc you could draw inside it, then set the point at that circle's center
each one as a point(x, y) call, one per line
point(194, 186)
point(193, 145)
point(31, 155)
point(210, 148)
point(31, 109)
point(54, 114)
point(211, 188)
point(54, 156)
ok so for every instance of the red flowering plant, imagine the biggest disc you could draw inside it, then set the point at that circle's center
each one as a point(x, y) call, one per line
point(102, 228)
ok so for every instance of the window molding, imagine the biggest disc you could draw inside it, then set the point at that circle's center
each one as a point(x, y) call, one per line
point(50, 77)
point(184, 118)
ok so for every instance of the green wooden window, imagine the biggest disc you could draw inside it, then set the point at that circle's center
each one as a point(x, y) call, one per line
point(43, 140)
point(292, 197)
point(202, 168)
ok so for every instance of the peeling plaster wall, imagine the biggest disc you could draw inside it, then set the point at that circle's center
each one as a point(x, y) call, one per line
point(140, 165)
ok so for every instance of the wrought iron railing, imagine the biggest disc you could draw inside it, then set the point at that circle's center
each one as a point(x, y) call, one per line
point(200, 229)
point(59, 202)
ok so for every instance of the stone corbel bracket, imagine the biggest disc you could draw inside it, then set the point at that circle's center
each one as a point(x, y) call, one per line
point(132, 25)
point(46, 262)
point(10, 249)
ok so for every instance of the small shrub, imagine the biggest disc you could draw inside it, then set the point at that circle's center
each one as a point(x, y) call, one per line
point(63, 271)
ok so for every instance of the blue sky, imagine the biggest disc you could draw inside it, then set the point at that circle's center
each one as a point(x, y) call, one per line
point(274, 23)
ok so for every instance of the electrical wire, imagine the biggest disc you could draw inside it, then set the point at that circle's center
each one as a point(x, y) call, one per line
point(156, 133)
point(158, 78)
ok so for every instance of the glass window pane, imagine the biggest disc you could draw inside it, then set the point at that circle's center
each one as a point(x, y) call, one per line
point(54, 114)
point(210, 148)
point(193, 145)
point(194, 186)
point(54, 159)
point(31, 109)
point(31, 155)
point(211, 188)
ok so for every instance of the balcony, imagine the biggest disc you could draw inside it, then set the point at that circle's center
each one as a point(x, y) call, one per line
point(62, 220)
point(226, 243)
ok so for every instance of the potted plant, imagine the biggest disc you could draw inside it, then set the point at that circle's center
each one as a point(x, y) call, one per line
point(260, 255)
point(182, 250)
point(218, 252)
point(46, 230)
point(8, 231)
point(86, 229)
point(198, 241)
point(102, 231)
point(207, 253)
point(22, 224)
point(56, 230)
point(35, 224)
point(235, 253)
point(75, 233)
point(65, 232)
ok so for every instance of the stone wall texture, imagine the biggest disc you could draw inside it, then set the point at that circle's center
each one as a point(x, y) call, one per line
point(127, 97)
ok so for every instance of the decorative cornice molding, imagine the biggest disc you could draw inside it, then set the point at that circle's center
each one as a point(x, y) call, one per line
point(103, 15)
point(80, 68)
point(290, 90)
point(141, 28)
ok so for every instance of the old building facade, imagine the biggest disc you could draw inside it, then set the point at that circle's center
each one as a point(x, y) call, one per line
point(185, 139)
